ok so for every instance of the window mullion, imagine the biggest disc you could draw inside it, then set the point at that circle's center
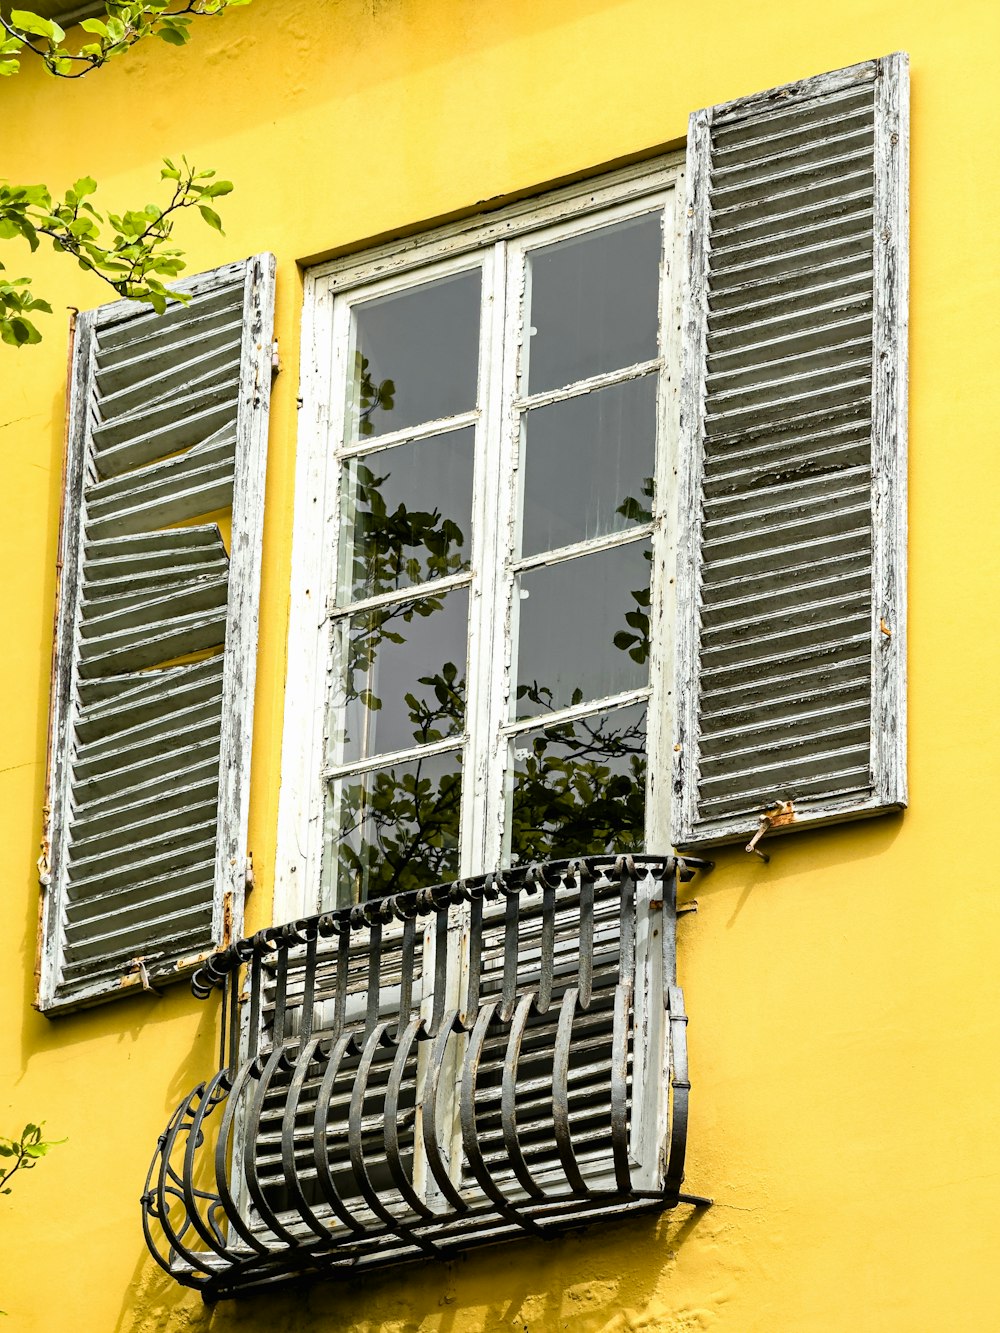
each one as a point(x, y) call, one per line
point(505, 438)
point(481, 609)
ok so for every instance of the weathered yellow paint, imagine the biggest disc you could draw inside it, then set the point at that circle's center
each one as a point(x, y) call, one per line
point(845, 998)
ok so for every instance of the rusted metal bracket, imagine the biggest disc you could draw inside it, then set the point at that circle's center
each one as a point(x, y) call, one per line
point(783, 813)
point(139, 965)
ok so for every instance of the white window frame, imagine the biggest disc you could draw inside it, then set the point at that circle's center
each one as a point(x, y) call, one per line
point(498, 243)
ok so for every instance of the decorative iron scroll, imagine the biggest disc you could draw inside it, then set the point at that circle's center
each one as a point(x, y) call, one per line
point(426, 1072)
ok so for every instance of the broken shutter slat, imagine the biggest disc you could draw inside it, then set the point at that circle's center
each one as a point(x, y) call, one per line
point(790, 637)
point(149, 756)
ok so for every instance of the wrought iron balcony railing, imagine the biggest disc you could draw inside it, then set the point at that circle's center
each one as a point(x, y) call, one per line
point(469, 1063)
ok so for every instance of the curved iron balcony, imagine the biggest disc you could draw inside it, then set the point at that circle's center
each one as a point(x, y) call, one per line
point(475, 1062)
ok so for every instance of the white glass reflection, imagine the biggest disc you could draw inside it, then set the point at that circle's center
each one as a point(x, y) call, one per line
point(593, 303)
point(587, 465)
point(583, 629)
point(414, 356)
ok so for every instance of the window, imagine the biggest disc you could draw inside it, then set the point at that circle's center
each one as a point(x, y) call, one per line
point(489, 542)
point(469, 1027)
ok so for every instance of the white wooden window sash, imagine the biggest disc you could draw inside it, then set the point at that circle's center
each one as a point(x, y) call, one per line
point(168, 422)
point(499, 248)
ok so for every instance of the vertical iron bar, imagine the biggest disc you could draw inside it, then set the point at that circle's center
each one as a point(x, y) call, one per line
point(475, 957)
point(626, 920)
point(280, 994)
point(669, 927)
point(309, 988)
point(510, 939)
point(224, 1021)
point(343, 974)
point(548, 944)
point(586, 963)
point(440, 966)
point(256, 969)
point(374, 974)
point(234, 1022)
point(406, 975)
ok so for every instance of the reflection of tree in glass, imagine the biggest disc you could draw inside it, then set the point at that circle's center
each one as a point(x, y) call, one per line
point(581, 788)
point(394, 550)
point(371, 396)
point(403, 833)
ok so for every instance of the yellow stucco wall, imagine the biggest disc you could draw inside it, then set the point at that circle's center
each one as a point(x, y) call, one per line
point(845, 999)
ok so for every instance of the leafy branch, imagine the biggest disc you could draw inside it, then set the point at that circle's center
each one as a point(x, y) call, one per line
point(26, 1152)
point(132, 253)
point(125, 24)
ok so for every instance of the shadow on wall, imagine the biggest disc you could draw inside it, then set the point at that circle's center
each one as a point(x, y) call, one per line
point(592, 1281)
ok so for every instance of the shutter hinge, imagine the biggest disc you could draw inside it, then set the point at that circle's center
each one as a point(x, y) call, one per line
point(44, 861)
point(275, 358)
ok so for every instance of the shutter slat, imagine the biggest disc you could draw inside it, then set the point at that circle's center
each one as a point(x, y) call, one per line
point(133, 864)
point(129, 329)
point(205, 353)
point(170, 766)
point(845, 667)
point(119, 702)
point(736, 129)
point(811, 293)
point(100, 818)
point(202, 416)
point(148, 772)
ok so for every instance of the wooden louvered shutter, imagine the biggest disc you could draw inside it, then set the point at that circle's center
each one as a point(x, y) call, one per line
point(144, 859)
point(791, 589)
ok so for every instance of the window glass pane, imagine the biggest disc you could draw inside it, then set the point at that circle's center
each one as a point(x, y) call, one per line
point(393, 829)
point(579, 787)
point(406, 515)
point(593, 304)
point(588, 465)
point(401, 672)
point(583, 629)
point(414, 356)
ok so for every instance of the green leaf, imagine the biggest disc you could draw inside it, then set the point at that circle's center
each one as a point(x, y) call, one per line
point(172, 36)
point(22, 331)
point(8, 67)
point(25, 21)
point(95, 26)
point(210, 216)
point(84, 186)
